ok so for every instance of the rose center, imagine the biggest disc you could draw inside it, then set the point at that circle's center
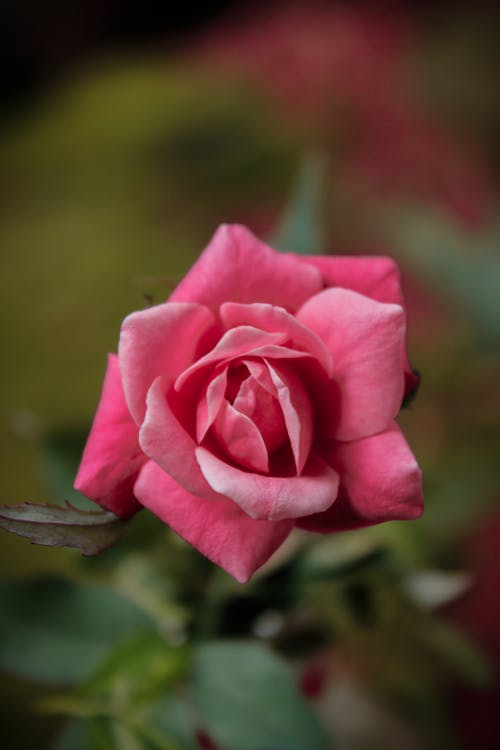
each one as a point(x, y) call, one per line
point(249, 424)
point(263, 408)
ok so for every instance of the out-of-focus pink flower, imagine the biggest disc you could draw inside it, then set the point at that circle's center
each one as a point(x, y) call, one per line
point(347, 70)
point(308, 53)
point(261, 396)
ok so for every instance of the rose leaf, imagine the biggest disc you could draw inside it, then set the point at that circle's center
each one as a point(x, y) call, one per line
point(301, 229)
point(60, 632)
point(63, 526)
point(247, 699)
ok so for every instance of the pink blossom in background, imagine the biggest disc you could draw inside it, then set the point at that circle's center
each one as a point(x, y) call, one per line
point(261, 396)
point(310, 53)
point(347, 71)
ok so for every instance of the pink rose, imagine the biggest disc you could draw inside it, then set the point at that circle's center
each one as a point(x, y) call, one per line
point(259, 397)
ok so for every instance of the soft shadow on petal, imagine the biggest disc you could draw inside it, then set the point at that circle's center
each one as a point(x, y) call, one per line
point(209, 403)
point(376, 276)
point(161, 340)
point(297, 410)
point(218, 528)
point(238, 267)
point(165, 440)
point(112, 456)
point(380, 481)
point(263, 408)
point(272, 497)
point(240, 439)
point(366, 340)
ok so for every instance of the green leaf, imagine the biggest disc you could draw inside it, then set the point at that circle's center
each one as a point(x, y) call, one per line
point(125, 737)
point(301, 227)
point(338, 555)
point(63, 526)
point(101, 736)
point(55, 631)
point(97, 734)
point(247, 699)
point(75, 736)
point(172, 719)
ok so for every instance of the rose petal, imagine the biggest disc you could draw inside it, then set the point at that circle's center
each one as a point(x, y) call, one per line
point(380, 481)
point(165, 440)
point(366, 339)
point(239, 267)
point(263, 408)
point(269, 497)
point(297, 411)
point(272, 318)
point(241, 439)
point(260, 373)
point(233, 344)
point(112, 457)
point(209, 404)
point(162, 340)
point(219, 529)
point(374, 276)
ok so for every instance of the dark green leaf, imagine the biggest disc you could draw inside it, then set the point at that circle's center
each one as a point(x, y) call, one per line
point(63, 526)
point(301, 228)
point(101, 737)
point(58, 632)
point(75, 736)
point(173, 719)
point(339, 555)
point(247, 699)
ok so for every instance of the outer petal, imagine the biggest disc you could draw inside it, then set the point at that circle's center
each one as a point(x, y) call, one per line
point(112, 456)
point(380, 481)
point(269, 497)
point(219, 529)
point(375, 276)
point(366, 340)
point(164, 439)
point(162, 340)
point(237, 266)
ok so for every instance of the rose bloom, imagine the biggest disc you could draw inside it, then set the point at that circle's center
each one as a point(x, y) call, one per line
point(260, 397)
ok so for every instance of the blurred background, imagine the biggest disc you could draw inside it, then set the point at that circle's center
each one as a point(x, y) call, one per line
point(129, 131)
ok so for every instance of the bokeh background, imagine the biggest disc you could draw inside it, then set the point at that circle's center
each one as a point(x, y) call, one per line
point(129, 132)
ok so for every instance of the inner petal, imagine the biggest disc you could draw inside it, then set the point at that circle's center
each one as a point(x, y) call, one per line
point(264, 410)
point(297, 411)
point(209, 403)
point(240, 438)
point(233, 344)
